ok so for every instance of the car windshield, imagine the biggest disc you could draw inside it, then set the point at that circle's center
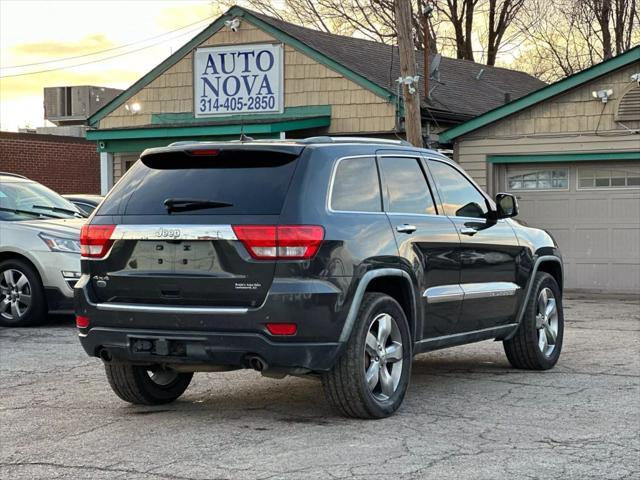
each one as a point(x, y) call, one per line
point(30, 200)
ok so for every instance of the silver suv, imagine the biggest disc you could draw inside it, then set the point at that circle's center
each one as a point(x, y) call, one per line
point(39, 251)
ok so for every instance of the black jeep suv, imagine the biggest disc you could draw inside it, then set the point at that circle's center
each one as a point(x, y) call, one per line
point(338, 258)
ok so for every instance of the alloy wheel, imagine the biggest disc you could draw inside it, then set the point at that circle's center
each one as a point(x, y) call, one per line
point(383, 353)
point(15, 294)
point(547, 321)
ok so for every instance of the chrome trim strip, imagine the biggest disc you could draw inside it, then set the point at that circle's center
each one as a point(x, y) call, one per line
point(469, 291)
point(444, 293)
point(173, 232)
point(132, 307)
point(488, 290)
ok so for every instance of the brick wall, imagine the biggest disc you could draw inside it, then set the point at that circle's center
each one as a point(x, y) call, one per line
point(64, 164)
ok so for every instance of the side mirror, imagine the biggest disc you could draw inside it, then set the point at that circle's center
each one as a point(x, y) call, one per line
point(507, 205)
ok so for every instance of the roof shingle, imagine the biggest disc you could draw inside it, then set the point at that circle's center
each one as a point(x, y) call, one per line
point(457, 88)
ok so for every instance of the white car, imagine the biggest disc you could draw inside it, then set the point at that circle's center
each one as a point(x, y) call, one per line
point(39, 251)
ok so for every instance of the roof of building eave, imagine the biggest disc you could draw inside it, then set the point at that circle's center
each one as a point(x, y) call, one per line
point(545, 93)
point(464, 88)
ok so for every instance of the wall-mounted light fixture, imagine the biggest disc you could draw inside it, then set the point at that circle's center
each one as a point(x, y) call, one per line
point(233, 24)
point(133, 108)
point(603, 95)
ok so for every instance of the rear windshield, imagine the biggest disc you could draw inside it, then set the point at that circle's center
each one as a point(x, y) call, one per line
point(238, 182)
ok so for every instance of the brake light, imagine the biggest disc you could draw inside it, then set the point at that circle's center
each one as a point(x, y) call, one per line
point(282, 328)
point(205, 152)
point(95, 240)
point(284, 242)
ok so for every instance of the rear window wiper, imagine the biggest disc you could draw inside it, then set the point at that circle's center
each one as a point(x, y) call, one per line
point(188, 204)
point(57, 209)
point(27, 212)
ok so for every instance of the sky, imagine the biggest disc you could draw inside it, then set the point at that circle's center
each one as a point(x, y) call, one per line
point(36, 31)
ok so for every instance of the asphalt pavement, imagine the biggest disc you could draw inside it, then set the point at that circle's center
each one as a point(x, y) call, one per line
point(467, 414)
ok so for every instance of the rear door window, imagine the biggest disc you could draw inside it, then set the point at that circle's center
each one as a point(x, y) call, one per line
point(355, 186)
point(242, 182)
point(406, 187)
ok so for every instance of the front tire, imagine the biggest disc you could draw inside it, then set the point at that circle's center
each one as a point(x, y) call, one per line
point(537, 343)
point(22, 300)
point(141, 386)
point(371, 377)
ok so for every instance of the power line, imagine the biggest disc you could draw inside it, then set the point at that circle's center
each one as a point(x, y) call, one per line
point(100, 60)
point(108, 49)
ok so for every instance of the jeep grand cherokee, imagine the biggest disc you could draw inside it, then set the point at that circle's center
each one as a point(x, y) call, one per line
point(340, 259)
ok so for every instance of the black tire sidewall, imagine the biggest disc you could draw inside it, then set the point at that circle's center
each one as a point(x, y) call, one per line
point(544, 280)
point(36, 313)
point(383, 304)
point(159, 394)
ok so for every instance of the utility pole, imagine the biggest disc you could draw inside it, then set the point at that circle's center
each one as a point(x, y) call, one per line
point(412, 120)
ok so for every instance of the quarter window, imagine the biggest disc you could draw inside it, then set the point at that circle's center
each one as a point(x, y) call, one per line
point(609, 177)
point(356, 187)
point(556, 179)
point(460, 198)
point(406, 186)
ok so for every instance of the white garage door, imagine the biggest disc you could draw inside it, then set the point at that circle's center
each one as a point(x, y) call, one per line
point(593, 211)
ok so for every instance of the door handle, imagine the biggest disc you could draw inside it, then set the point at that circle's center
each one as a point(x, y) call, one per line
point(468, 231)
point(406, 228)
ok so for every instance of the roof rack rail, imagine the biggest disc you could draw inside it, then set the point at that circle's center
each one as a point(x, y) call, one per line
point(17, 175)
point(327, 139)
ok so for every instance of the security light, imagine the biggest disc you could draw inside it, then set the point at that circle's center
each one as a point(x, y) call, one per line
point(133, 108)
point(233, 24)
point(636, 78)
point(602, 95)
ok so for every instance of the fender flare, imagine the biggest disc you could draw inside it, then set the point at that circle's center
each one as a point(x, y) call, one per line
point(523, 306)
point(359, 295)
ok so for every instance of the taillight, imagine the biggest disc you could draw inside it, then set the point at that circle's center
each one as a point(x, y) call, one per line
point(284, 242)
point(95, 240)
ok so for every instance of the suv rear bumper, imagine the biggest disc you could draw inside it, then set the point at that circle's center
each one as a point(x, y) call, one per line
point(202, 349)
point(223, 336)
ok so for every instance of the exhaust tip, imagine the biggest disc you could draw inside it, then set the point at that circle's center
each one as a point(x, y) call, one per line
point(105, 355)
point(257, 363)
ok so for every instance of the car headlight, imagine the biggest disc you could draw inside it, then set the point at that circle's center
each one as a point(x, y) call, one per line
point(60, 244)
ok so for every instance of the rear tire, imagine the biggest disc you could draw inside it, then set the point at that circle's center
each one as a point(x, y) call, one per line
point(137, 385)
point(537, 343)
point(22, 299)
point(371, 377)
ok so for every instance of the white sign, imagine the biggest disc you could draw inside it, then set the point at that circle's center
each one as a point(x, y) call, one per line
point(238, 79)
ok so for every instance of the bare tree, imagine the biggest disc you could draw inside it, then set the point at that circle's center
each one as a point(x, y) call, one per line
point(567, 36)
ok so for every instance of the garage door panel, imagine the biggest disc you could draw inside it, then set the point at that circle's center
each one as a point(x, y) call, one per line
point(624, 275)
point(592, 276)
point(626, 209)
point(597, 229)
point(591, 208)
point(590, 242)
point(625, 242)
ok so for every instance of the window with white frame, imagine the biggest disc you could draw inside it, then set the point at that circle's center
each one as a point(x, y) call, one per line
point(616, 177)
point(552, 179)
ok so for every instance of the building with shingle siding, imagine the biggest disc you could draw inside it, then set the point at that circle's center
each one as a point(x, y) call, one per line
point(320, 84)
point(573, 161)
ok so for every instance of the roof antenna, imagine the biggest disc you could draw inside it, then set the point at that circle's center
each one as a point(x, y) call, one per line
point(243, 137)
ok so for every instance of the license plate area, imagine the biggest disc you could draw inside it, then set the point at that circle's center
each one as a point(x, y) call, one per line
point(174, 257)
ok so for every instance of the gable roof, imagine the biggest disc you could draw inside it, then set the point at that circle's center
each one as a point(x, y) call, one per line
point(457, 89)
point(543, 94)
point(457, 92)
